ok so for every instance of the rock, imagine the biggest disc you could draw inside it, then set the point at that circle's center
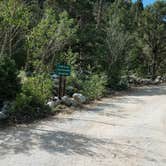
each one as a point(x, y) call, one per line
point(56, 98)
point(5, 108)
point(66, 100)
point(158, 77)
point(3, 116)
point(51, 104)
point(157, 80)
point(146, 81)
point(163, 79)
point(133, 79)
point(74, 103)
point(79, 98)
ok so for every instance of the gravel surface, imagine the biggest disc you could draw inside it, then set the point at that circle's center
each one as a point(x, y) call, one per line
point(128, 130)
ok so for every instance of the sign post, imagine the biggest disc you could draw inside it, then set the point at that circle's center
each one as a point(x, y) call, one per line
point(62, 71)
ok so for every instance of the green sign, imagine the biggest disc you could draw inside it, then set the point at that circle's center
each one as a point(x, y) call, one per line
point(63, 70)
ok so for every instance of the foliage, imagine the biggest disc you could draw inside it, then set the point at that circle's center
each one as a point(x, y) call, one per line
point(94, 87)
point(27, 108)
point(14, 22)
point(50, 36)
point(119, 43)
point(30, 103)
point(9, 83)
point(153, 31)
point(39, 86)
point(74, 83)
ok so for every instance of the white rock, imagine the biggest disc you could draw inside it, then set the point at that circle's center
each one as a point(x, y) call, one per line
point(56, 98)
point(79, 98)
point(157, 80)
point(51, 104)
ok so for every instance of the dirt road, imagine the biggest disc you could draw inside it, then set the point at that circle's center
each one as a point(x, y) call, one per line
point(123, 131)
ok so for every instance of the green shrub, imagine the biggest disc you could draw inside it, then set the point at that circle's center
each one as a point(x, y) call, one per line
point(123, 83)
point(94, 87)
point(9, 83)
point(39, 86)
point(74, 84)
point(27, 108)
point(30, 104)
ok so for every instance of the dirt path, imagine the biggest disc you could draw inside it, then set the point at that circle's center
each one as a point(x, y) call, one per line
point(124, 131)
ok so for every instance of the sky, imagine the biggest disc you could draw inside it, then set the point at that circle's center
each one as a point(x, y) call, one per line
point(147, 2)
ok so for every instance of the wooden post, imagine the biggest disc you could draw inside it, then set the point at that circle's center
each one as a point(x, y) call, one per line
point(60, 88)
point(64, 87)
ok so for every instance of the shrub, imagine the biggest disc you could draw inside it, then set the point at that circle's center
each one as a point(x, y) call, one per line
point(9, 83)
point(30, 104)
point(39, 86)
point(94, 87)
point(123, 83)
point(74, 84)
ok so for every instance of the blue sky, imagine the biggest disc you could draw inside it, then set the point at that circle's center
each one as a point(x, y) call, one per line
point(147, 2)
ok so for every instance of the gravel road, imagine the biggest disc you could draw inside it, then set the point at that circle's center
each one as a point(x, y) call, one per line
point(128, 130)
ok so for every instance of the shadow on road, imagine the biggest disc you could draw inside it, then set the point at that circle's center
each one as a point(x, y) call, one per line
point(25, 141)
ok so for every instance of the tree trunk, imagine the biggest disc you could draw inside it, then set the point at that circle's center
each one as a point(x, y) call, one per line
point(154, 64)
point(100, 6)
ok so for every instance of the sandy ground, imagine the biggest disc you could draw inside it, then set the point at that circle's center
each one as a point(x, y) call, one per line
point(129, 130)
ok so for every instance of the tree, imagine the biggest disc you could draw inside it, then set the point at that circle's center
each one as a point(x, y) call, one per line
point(137, 9)
point(9, 83)
point(51, 36)
point(118, 43)
point(14, 21)
point(153, 30)
point(90, 36)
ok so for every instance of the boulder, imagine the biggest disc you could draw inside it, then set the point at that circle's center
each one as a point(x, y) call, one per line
point(66, 100)
point(146, 81)
point(74, 103)
point(163, 79)
point(79, 98)
point(51, 104)
point(158, 77)
point(56, 98)
point(157, 80)
point(3, 116)
point(5, 108)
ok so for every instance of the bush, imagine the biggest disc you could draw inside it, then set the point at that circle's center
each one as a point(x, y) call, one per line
point(74, 83)
point(30, 104)
point(94, 87)
point(9, 83)
point(123, 83)
point(27, 108)
point(39, 86)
